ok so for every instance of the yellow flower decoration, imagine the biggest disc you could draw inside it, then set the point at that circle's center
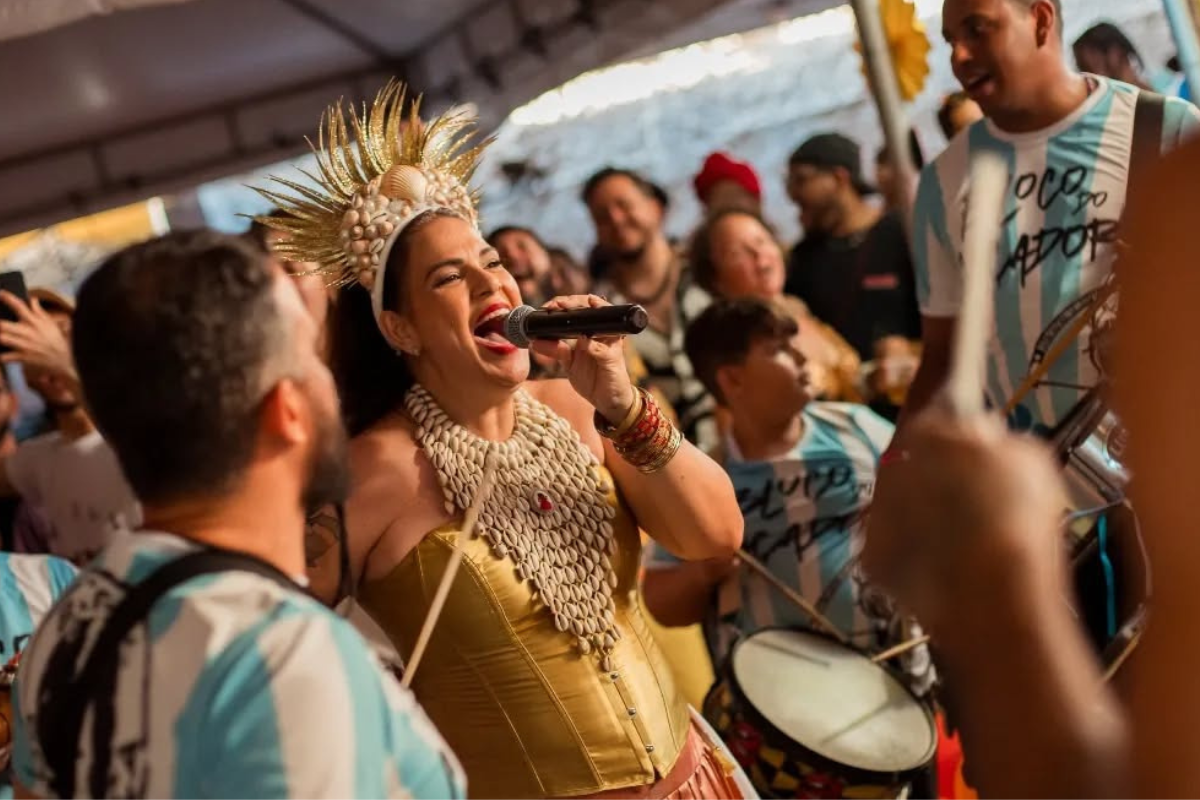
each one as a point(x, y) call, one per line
point(908, 45)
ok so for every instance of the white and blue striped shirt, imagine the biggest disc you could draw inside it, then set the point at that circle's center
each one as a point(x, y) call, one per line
point(29, 586)
point(234, 687)
point(1065, 199)
point(803, 514)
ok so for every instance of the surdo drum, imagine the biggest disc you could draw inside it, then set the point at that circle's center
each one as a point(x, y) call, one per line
point(809, 717)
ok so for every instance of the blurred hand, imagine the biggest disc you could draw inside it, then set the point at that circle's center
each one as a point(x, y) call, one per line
point(35, 339)
point(971, 511)
point(594, 366)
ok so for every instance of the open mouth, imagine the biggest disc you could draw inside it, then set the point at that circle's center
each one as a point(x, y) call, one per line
point(489, 331)
point(979, 85)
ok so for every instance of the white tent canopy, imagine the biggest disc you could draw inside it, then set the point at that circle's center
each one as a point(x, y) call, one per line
point(111, 101)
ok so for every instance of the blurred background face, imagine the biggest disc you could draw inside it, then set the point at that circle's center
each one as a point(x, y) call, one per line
point(567, 276)
point(528, 262)
point(313, 291)
point(1110, 63)
point(748, 260)
point(1089, 59)
point(815, 191)
point(626, 217)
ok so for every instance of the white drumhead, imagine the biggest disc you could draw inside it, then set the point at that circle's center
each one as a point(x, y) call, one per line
point(834, 701)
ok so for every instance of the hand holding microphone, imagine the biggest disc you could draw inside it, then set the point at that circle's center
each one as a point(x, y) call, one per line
point(595, 363)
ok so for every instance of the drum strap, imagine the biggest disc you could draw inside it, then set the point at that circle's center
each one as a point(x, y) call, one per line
point(1145, 148)
point(60, 721)
point(1147, 142)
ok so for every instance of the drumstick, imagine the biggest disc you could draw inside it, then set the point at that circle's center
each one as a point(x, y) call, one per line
point(443, 590)
point(1122, 658)
point(985, 205)
point(900, 649)
point(787, 591)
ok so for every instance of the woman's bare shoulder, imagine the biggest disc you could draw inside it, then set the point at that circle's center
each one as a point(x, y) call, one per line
point(388, 444)
point(395, 497)
point(388, 474)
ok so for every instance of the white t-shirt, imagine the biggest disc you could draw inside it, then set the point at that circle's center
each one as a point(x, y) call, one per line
point(80, 486)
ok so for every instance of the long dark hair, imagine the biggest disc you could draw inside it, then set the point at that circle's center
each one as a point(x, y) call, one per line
point(372, 378)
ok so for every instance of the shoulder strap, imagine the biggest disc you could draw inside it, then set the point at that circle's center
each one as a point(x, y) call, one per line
point(1146, 147)
point(61, 725)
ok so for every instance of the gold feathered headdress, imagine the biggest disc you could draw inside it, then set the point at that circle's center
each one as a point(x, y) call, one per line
point(371, 187)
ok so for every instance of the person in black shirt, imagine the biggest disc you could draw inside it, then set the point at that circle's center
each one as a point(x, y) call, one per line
point(853, 267)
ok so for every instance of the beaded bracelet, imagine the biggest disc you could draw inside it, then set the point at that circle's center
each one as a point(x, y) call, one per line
point(647, 439)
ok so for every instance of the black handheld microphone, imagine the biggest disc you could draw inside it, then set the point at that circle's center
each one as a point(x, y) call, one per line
point(525, 323)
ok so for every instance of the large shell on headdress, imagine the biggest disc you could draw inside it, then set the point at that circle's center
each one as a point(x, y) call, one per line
point(359, 154)
point(403, 182)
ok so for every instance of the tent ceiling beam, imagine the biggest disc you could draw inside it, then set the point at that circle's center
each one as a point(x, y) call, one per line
point(336, 26)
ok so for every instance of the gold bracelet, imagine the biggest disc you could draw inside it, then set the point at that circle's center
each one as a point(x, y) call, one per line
point(607, 430)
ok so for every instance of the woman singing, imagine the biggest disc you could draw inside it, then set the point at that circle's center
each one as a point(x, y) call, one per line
point(541, 674)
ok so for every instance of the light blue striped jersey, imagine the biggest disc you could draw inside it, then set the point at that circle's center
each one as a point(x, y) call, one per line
point(803, 514)
point(29, 586)
point(236, 686)
point(1065, 197)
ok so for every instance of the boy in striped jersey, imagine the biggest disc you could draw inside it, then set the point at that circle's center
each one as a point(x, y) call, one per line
point(203, 369)
point(804, 473)
point(1068, 139)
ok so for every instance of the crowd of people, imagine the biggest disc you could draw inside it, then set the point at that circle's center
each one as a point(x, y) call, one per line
point(245, 432)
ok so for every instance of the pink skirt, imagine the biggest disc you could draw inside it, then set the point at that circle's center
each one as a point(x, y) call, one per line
point(703, 770)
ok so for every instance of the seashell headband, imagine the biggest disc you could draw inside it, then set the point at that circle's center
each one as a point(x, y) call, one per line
point(368, 190)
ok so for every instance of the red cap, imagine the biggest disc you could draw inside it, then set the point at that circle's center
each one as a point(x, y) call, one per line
point(720, 167)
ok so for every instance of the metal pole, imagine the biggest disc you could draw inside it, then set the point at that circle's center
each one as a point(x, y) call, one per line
point(1184, 30)
point(885, 88)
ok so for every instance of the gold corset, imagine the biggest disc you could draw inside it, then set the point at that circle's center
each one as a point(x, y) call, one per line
point(525, 713)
